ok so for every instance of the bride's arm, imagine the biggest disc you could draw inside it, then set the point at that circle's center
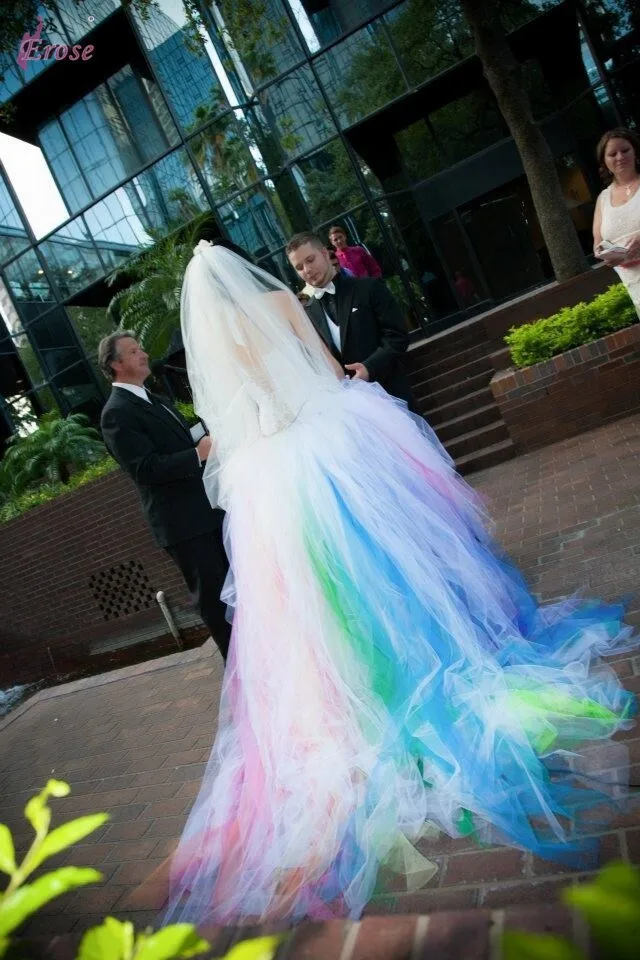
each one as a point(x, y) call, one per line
point(304, 329)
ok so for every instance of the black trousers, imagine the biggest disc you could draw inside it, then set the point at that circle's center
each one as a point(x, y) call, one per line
point(203, 563)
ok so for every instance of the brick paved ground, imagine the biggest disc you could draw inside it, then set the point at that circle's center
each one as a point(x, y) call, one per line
point(135, 742)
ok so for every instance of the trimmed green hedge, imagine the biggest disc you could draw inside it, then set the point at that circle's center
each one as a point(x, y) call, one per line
point(573, 326)
point(16, 506)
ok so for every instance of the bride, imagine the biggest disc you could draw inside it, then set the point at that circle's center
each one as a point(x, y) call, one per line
point(390, 676)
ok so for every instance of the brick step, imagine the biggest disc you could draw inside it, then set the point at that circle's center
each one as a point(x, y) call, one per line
point(453, 340)
point(478, 439)
point(453, 391)
point(457, 407)
point(488, 457)
point(427, 367)
point(455, 375)
point(473, 419)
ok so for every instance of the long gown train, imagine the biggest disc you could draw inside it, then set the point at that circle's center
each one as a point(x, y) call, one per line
point(390, 676)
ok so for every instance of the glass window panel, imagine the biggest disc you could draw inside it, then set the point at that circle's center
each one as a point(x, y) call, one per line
point(72, 258)
point(186, 73)
point(64, 166)
point(28, 286)
point(324, 22)
point(429, 37)
point(79, 390)
point(224, 158)
point(91, 325)
point(13, 236)
point(29, 360)
point(153, 203)
point(101, 141)
point(81, 16)
point(288, 201)
point(251, 221)
point(361, 74)
point(149, 134)
point(293, 110)
point(328, 182)
point(277, 264)
point(54, 341)
point(468, 125)
point(52, 32)
point(12, 77)
point(436, 295)
point(260, 46)
point(626, 85)
point(419, 152)
point(611, 20)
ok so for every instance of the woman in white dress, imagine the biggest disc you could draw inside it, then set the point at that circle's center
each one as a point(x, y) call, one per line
point(616, 223)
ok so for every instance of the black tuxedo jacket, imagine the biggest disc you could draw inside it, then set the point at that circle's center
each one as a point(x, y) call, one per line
point(157, 451)
point(372, 331)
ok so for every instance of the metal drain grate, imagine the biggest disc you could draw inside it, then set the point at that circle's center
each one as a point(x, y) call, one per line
point(122, 590)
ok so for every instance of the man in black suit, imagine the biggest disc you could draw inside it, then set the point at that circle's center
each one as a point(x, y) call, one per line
point(153, 443)
point(358, 318)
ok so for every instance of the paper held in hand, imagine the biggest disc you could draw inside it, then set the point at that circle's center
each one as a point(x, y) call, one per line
point(606, 247)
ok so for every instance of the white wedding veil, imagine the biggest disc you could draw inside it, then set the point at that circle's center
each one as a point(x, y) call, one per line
point(253, 356)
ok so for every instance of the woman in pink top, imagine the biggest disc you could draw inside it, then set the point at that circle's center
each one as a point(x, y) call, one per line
point(355, 259)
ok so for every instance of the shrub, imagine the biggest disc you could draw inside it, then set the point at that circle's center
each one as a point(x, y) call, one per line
point(571, 327)
point(15, 504)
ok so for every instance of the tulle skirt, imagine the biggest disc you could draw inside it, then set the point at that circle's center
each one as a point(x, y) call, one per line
point(390, 677)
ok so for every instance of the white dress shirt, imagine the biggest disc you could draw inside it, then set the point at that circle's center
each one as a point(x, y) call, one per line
point(334, 329)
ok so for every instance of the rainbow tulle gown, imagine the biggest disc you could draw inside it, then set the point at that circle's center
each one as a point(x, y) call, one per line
point(390, 676)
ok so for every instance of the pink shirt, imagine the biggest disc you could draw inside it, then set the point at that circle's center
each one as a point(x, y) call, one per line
point(359, 262)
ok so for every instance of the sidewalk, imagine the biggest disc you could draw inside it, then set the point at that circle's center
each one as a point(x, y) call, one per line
point(134, 742)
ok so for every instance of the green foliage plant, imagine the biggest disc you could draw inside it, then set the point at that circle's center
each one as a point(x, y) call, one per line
point(571, 327)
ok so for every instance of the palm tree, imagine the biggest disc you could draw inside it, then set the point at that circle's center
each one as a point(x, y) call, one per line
point(50, 453)
point(503, 75)
point(150, 305)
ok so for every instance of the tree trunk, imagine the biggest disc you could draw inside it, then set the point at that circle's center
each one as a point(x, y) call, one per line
point(503, 75)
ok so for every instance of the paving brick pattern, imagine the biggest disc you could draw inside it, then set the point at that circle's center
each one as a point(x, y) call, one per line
point(134, 742)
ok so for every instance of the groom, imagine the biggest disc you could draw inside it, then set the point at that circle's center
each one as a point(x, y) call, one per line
point(153, 444)
point(358, 318)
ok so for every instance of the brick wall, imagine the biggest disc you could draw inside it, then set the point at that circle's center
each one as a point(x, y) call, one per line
point(73, 572)
point(574, 392)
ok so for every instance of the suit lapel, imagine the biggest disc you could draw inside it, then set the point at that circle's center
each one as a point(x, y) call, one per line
point(344, 300)
point(156, 410)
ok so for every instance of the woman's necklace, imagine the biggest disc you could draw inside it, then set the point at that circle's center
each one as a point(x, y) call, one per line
point(630, 186)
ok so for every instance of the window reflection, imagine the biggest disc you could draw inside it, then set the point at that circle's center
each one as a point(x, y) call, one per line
point(28, 285)
point(222, 154)
point(361, 74)
point(325, 21)
point(184, 68)
point(72, 258)
point(91, 325)
point(468, 125)
point(75, 15)
point(259, 47)
point(294, 110)
point(328, 181)
point(251, 221)
point(429, 37)
point(152, 204)
point(13, 236)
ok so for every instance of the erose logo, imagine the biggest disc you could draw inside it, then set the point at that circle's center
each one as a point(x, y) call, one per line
point(31, 49)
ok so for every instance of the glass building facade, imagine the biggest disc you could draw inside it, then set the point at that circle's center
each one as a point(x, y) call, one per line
point(292, 115)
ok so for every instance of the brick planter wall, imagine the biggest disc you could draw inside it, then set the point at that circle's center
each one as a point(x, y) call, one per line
point(73, 572)
point(571, 393)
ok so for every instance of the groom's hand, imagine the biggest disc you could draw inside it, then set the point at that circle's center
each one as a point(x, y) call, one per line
point(358, 371)
point(204, 448)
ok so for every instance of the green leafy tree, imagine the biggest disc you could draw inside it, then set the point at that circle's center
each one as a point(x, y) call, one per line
point(150, 304)
point(50, 454)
